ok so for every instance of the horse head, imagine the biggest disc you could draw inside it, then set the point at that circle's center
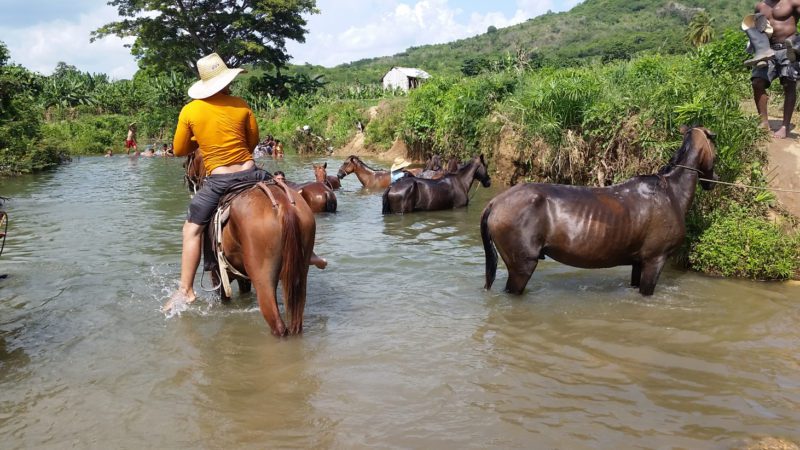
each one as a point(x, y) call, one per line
point(433, 163)
point(348, 166)
point(195, 171)
point(320, 174)
point(482, 171)
point(698, 152)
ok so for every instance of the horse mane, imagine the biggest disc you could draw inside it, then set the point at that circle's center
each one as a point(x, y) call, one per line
point(360, 161)
point(686, 145)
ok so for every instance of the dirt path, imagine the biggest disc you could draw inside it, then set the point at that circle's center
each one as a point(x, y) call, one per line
point(784, 170)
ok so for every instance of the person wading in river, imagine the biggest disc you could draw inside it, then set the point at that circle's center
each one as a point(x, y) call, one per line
point(225, 131)
point(783, 16)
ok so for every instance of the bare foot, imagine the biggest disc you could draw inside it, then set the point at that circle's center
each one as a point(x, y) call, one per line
point(780, 133)
point(179, 297)
point(321, 263)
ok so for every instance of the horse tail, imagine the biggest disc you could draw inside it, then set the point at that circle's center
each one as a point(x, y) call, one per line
point(295, 265)
point(488, 247)
point(330, 202)
point(387, 209)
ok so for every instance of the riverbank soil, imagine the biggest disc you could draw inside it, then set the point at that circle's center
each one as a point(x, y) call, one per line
point(784, 168)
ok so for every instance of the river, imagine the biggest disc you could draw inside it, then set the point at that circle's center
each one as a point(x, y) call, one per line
point(402, 347)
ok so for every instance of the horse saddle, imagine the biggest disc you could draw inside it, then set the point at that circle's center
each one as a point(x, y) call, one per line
point(213, 255)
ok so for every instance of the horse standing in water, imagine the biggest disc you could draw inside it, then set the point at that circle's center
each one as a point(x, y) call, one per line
point(638, 222)
point(269, 237)
point(318, 196)
point(369, 177)
point(452, 191)
point(321, 176)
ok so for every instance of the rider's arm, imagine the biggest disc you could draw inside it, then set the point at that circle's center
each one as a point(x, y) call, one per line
point(252, 131)
point(182, 145)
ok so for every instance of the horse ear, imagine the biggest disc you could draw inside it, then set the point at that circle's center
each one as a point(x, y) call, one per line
point(483, 161)
point(711, 135)
point(684, 129)
point(325, 166)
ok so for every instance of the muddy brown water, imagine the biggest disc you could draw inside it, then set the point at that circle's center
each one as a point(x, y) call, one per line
point(402, 346)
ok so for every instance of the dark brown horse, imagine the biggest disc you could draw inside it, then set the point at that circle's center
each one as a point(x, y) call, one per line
point(369, 177)
point(268, 243)
point(452, 191)
point(321, 175)
point(638, 222)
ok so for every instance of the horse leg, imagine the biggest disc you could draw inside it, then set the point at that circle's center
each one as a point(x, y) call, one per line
point(636, 274)
point(244, 285)
point(519, 272)
point(651, 269)
point(264, 273)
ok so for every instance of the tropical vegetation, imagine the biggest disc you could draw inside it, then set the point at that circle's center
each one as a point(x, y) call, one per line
point(602, 104)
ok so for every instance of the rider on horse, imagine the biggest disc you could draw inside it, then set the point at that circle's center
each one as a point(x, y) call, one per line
point(225, 130)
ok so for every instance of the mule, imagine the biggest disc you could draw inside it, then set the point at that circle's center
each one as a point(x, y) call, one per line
point(269, 237)
point(639, 222)
point(321, 176)
point(369, 177)
point(451, 191)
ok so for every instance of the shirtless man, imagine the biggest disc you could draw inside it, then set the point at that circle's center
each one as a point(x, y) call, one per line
point(783, 15)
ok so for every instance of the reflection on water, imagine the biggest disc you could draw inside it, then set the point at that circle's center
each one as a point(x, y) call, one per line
point(402, 346)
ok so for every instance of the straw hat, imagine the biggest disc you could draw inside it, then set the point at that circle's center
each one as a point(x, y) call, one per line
point(399, 163)
point(214, 76)
point(751, 21)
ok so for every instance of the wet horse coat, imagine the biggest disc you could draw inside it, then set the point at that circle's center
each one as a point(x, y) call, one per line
point(639, 222)
point(451, 191)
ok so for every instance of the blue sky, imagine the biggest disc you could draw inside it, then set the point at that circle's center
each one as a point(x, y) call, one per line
point(40, 33)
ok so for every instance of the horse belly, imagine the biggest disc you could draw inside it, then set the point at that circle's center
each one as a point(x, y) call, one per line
point(590, 236)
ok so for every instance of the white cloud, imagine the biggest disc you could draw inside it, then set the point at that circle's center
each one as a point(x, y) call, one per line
point(404, 25)
point(40, 47)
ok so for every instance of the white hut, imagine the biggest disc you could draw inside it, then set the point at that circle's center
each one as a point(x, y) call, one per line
point(404, 78)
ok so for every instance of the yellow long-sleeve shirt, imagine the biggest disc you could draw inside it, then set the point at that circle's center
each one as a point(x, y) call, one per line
point(224, 127)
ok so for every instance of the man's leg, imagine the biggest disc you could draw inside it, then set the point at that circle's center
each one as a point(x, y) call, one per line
point(190, 257)
point(789, 101)
point(761, 98)
point(190, 260)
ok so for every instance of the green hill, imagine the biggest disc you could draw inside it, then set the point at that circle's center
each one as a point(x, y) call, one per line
point(593, 30)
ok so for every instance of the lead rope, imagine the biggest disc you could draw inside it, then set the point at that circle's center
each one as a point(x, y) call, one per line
point(748, 186)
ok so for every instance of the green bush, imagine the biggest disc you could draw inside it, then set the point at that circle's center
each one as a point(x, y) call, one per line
point(88, 135)
point(739, 243)
point(386, 127)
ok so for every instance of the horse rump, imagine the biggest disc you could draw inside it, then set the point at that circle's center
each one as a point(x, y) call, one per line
point(330, 201)
point(488, 247)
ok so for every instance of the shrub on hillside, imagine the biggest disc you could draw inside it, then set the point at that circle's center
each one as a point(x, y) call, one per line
point(739, 243)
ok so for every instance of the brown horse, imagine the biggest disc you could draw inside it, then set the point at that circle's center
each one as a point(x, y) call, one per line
point(319, 196)
point(452, 191)
point(638, 222)
point(369, 177)
point(268, 239)
point(321, 175)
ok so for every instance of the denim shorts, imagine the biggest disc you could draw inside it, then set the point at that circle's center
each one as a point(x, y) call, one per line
point(205, 201)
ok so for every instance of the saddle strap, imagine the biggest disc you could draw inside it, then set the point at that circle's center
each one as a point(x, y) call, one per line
point(265, 187)
point(223, 264)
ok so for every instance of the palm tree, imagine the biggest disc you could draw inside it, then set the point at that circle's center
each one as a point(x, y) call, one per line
point(700, 30)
